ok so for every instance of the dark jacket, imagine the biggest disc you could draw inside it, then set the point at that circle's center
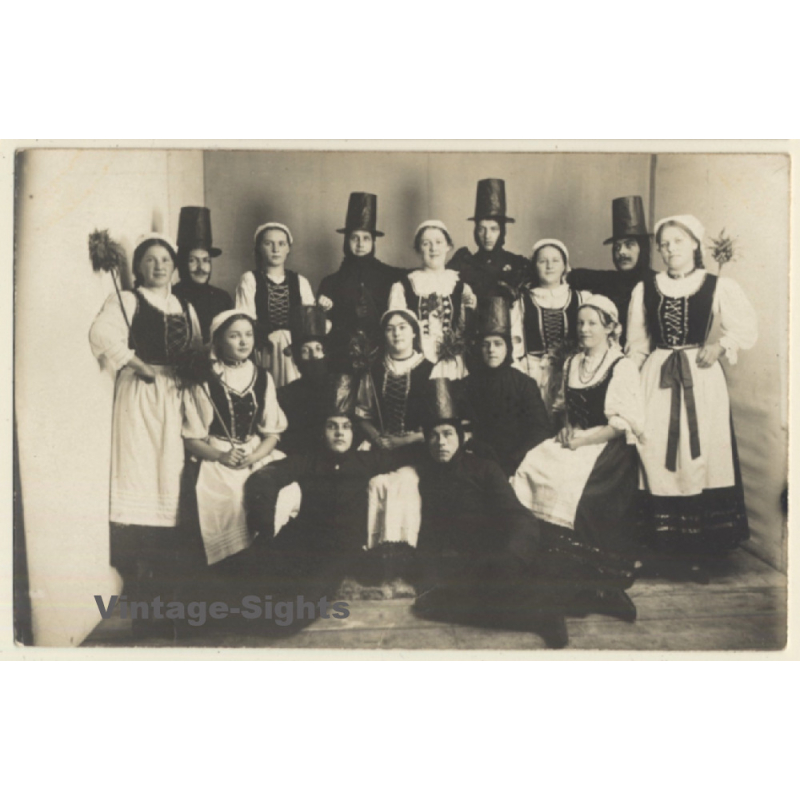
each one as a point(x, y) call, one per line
point(507, 413)
point(208, 301)
point(490, 274)
point(303, 403)
point(360, 294)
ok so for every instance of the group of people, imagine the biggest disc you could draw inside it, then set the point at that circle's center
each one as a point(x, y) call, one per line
point(516, 439)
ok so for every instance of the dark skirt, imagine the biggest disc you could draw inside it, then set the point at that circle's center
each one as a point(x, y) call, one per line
point(708, 524)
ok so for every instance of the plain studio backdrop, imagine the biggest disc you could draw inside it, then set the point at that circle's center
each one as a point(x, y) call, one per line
point(64, 399)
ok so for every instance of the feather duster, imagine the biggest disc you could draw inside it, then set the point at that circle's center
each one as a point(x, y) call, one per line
point(108, 255)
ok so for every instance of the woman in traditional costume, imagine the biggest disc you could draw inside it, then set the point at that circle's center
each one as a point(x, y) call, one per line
point(439, 298)
point(390, 406)
point(141, 334)
point(270, 293)
point(694, 500)
point(547, 320)
point(584, 480)
point(233, 426)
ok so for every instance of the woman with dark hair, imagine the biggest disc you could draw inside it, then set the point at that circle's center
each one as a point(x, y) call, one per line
point(270, 293)
point(141, 334)
point(546, 325)
point(195, 251)
point(490, 271)
point(233, 426)
point(439, 299)
point(693, 497)
point(390, 407)
point(357, 295)
point(504, 405)
point(584, 480)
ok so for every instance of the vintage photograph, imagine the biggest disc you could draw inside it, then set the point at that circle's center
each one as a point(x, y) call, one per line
point(401, 399)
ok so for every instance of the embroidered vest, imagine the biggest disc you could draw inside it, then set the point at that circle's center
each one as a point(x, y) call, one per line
point(158, 337)
point(678, 321)
point(274, 302)
point(240, 412)
point(547, 328)
point(451, 305)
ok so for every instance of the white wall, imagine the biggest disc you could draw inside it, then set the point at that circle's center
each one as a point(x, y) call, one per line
point(63, 399)
point(749, 197)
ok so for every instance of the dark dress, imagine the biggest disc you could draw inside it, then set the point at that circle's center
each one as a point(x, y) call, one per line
point(490, 274)
point(507, 413)
point(208, 301)
point(359, 291)
point(303, 403)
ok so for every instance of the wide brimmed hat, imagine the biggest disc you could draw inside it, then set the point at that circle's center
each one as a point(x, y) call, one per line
point(194, 230)
point(276, 226)
point(490, 200)
point(688, 221)
point(552, 243)
point(495, 318)
point(339, 396)
point(362, 214)
point(627, 218)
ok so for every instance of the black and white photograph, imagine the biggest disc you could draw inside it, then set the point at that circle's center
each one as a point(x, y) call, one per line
point(426, 400)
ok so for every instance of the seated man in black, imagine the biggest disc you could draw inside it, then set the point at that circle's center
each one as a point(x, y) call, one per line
point(303, 400)
point(477, 544)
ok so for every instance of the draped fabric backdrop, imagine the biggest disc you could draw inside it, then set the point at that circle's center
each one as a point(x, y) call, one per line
point(63, 399)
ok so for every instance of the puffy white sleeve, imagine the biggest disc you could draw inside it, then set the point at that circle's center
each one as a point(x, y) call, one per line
point(638, 345)
point(737, 317)
point(624, 401)
point(198, 413)
point(246, 294)
point(306, 292)
point(273, 421)
point(109, 333)
point(397, 296)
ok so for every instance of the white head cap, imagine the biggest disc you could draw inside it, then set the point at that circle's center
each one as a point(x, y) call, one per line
point(224, 316)
point(276, 226)
point(602, 302)
point(159, 237)
point(432, 223)
point(688, 221)
point(553, 243)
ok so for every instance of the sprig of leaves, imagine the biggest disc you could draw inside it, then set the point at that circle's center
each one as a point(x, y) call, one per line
point(723, 249)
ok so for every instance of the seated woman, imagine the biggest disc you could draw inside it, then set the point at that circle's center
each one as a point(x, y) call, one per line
point(270, 293)
point(233, 426)
point(390, 406)
point(439, 299)
point(547, 319)
point(504, 405)
point(585, 479)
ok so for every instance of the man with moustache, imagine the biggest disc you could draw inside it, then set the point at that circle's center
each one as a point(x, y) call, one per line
point(195, 252)
point(630, 251)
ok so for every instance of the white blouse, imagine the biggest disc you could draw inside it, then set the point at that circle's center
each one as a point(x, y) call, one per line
point(199, 412)
point(246, 292)
point(109, 333)
point(737, 317)
point(624, 404)
point(430, 281)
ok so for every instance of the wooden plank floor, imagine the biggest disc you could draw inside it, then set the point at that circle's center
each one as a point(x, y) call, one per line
point(743, 609)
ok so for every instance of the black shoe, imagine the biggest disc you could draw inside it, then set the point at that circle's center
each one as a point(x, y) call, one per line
point(553, 629)
point(609, 602)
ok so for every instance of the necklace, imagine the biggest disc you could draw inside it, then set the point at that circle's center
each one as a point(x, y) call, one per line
point(582, 371)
